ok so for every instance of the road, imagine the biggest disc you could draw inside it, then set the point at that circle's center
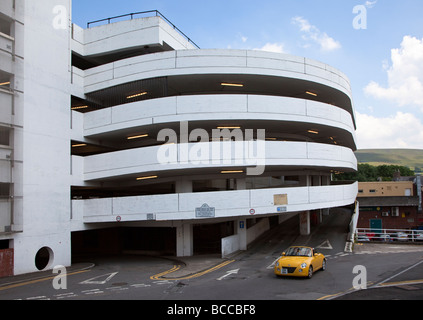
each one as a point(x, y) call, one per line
point(247, 276)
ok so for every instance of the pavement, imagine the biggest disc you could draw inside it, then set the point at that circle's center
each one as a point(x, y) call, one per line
point(408, 286)
point(184, 268)
point(405, 285)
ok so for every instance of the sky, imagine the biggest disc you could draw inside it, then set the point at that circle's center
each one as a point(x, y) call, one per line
point(378, 44)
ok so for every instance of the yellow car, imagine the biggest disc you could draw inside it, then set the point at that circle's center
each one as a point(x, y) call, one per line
point(299, 261)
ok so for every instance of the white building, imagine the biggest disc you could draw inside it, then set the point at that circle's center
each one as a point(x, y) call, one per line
point(125, 136)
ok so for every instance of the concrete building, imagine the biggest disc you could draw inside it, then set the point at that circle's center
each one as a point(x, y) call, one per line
point(124, 136)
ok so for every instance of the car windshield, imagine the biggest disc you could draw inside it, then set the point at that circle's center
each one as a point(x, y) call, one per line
point(298, 251)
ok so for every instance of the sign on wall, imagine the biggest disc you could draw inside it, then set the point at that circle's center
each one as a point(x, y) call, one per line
point(205, 211)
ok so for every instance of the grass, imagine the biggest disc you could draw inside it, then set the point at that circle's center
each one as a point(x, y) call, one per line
point(412, 158)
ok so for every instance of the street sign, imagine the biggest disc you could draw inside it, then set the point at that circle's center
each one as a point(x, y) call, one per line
point(252, 211)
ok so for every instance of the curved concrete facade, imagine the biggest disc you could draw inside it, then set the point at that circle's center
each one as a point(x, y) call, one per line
point(200, 142)
point(156, 116)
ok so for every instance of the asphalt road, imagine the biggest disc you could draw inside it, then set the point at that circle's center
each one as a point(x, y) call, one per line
point(390, 272)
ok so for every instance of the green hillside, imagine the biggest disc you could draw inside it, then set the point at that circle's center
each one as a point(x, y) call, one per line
point(412, 158)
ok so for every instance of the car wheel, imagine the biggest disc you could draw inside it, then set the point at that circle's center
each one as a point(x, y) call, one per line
point(310, 272)
point(324, 265)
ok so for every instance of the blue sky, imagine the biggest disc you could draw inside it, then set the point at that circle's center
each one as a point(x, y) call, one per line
point(384, 62)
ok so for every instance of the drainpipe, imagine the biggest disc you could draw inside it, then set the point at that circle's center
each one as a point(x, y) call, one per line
point(419, 191)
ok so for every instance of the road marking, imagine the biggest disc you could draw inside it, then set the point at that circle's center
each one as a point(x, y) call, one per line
point(228, 273)
point(14, 285)
point(270, 266)
point(140, 285)
point(396, 275)
point(37, 298)
point(92, 291)
point(399, 283)
point(159, 276)
point(65, 295)
point(90, 281)
point(325, 245)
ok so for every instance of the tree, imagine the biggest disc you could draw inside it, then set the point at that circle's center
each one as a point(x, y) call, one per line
point(367, 172)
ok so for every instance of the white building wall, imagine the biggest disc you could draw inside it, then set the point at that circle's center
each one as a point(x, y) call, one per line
point(45, 134)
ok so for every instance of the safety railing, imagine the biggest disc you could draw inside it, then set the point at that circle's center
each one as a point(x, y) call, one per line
point(135, 14)
point(388, 235)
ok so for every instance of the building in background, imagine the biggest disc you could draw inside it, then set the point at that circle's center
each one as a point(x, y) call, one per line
point(125, 136)
point(390, 204)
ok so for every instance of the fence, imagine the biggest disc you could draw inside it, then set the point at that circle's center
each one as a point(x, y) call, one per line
point(388, 235)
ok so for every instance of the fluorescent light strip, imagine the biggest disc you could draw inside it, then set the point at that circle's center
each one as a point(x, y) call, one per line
point(311, 93)
point(312, 131)
point(146, 178)
point(136, 95)
point(79, 145)
point(138, 136)
point(79, 107)
point(229, 127)
point(226, 84)
point(231, 171)
point(5, 83)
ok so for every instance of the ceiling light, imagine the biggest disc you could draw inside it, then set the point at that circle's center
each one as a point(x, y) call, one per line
point(138, 136)
point(226, 84)
point(231, 171)
point(313, 131)
point(272, 139)
point(311, 93)
point(229, 127)
point(136, 95)
point(146, 178)
point(5, 83)
point(79, 107)
point(79, 145)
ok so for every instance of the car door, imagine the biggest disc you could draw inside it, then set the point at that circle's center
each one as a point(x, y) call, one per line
point(317, 260)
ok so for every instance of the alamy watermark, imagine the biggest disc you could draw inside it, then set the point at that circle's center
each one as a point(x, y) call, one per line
point(60, 281)
point(235, 147)
point(360, 280)
point(360, 11)
point(61, 17)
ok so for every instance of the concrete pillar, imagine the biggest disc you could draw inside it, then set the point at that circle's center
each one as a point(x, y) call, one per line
point(183, 186)
point(241, 231)
point(184, 240)
point(241, 184)
point(305, 223)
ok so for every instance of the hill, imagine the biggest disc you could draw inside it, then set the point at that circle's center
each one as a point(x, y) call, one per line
point(412, 158)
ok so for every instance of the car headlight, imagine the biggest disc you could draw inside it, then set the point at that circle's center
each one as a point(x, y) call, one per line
point(303, 265)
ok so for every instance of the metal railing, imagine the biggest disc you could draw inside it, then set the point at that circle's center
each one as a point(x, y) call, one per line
point(133, 14)
point(388, 235)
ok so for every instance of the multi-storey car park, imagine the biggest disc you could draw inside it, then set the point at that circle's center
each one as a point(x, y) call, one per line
point(124, 136)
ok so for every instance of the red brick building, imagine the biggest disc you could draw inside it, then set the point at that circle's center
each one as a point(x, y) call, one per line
point(391, 205)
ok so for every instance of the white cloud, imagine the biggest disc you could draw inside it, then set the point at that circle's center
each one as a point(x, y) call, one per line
point(402, 130)
point(370, 4)
point(405, 76)
point(313, 34)
point(272, 47)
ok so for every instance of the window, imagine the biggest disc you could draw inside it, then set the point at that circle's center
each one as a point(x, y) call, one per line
point(372, 191)
point(4, 190)
point(5, 136)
